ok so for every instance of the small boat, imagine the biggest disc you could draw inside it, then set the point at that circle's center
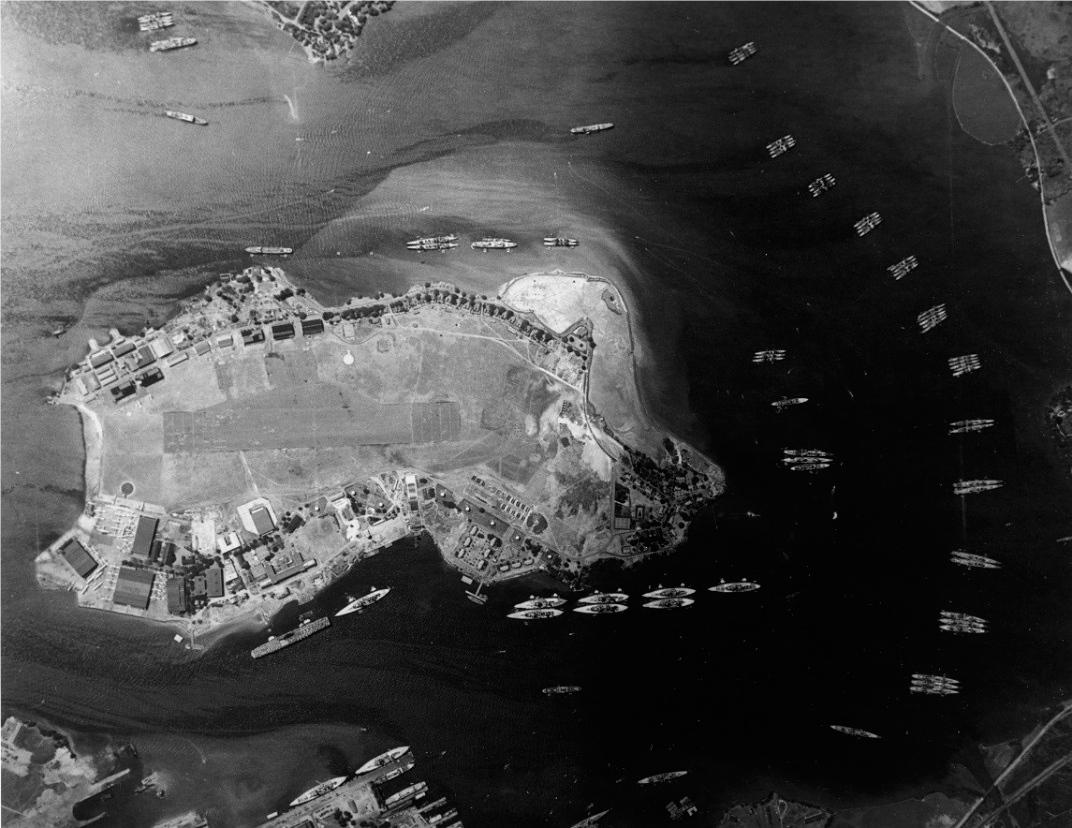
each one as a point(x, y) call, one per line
point(171, 43)
point(735, 586)
point(670, 592)
point(450, 237)
point(605, 598)
point(319, 790)
point(384, 758)
point(855, 731)
point(661, 777)
point(540, 603)
point(189, 119)
point(535, 614)
point(563, 690)
point(257, 250)
point(601, 609)
point(590, 128)
point(669, 603)
point(357, 604)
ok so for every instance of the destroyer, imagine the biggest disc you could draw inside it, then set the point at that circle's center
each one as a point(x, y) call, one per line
point(385, 758)
point(661, 777)
point(855, 731)
point(742, 52)
point(601, 609)
point(963, 558)
point(540, 603)
point(303, 631)
point(968, 426)
point(967, 487)
point(189, 119)
point(903, 267)
point(559, 241)
point(781, 145)
point(318, 791)
point(735, 586)
point(786, 402)
point(821, 185)
point(171, 44)
point(535, 614)
point(669, 603)
point(604, 598)
point(770, 355)
point(562, 690)
point(867, 224)
point(358, 604)
point(670, 592)
point(590, 128)
point(487, 244)
point(965, 364)
point(270, 251)
point(155, 22)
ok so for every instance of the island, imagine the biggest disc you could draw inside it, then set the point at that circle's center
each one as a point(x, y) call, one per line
point(326, 29)
point(259, 444)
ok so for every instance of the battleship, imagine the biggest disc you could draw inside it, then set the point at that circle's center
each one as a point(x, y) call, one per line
point(903, 267)
point(968, 426)
point(867, 224)
point(669, 603)
point(781, 145)
point(590, 128)
point(734, 586)
point(931, 318)
point(821, 184)
point(967, 487)
point(562, 690)
point(933, 689)
point(171, 44)
point(948, 615)
point(771, 355)
point(488, 243)
point(742, 52)
point(601, 609)
point(540, 603)
point(257, 250)
point(785, 402)
point(385, 758)
point(670, 592)
point(405, 766)
point(819, 453)
point(855, 731)
point(661, 777)
point(416, 790)
point(969, 559)
point(961, 365)
point(963, 627)
point(535, 614)
point(450, 237)
point(440, 246)
point(604, 598)
point(358, 604)
point(559, 241)
point(303, 631)
point(318, 791)
point(155, 22)
point(189, 119)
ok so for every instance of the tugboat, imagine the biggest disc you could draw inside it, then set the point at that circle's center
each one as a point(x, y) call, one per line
point(189, 119)
point(590, 128)
point(601, 609)
point(171, 44)
point(559, 241)
point(535, 614)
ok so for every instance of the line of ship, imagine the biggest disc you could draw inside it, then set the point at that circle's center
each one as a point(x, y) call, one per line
point(385, 758)
point(450, 242)
point(612, 603)
point(309, 626)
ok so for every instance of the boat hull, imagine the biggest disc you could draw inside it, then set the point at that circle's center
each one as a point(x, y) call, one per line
point(601, 609)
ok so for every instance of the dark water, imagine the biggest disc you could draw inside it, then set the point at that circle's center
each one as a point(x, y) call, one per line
point(462, 110)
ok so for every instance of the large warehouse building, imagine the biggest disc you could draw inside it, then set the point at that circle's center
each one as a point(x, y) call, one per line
point(133, 587)
point(80, 560)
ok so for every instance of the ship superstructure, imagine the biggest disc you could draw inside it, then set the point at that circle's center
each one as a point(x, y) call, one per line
point(489, 243)
point(903, 267)
point(781, 145)
point(931, 318)
point(968, 426)
point(319, 790)
point(734, 586)
point(959, 556)
point(156, 21)
point(303, 631)
point(867, 224)
point(358, 604)
point(559, 241)
point(821, 185)
point(965, 364)
point(770, 355)
point(535, 614)
point(540, 603)
point(670, 592)
point(171, 44)
point(967, 487)
point(590, 128)
point(600, 609)
point(742, 52)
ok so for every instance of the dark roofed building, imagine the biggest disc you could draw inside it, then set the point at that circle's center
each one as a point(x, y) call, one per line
point(262, 520)
point(311, 327)
point(80, 560)
point(145, 357)
point(176, 596)
point(133, 587)
point(100, 358)
point(200, 586)
point(283, 331)
point(124, 349)
point(150, 377)
point(143, 537)
point(214, 576)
